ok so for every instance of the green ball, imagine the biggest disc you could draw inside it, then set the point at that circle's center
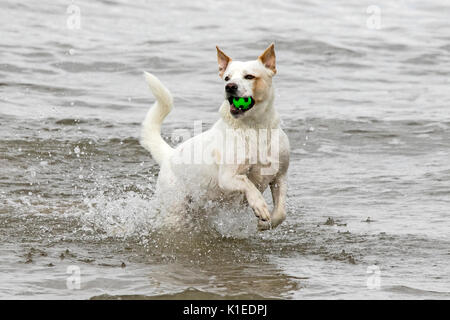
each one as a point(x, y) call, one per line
point(242, 103)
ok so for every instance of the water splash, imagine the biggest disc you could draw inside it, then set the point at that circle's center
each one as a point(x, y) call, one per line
point(133, 215)
point(127, 215)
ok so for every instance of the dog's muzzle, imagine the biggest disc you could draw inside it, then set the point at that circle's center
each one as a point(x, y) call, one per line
point(239, 105)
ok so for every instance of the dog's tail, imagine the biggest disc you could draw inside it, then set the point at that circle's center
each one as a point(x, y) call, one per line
point(151, 127)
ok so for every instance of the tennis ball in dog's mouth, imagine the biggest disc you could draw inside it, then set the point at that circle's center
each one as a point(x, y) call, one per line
point(243, 103)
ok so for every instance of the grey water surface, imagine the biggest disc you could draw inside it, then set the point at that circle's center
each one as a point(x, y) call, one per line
point(364, 96)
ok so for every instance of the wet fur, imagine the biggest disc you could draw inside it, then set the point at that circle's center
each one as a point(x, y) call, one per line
point(188, 185)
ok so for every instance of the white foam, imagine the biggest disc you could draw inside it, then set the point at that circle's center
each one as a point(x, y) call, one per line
point(133, 215)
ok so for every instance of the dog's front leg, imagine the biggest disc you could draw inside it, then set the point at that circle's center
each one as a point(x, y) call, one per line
point(231, 180)
point(278, 187)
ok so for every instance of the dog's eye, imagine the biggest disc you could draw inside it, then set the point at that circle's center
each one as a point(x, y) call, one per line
point(249, 77)
point(227, 78)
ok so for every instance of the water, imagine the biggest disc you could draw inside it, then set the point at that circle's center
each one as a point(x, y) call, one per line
point(366, 112)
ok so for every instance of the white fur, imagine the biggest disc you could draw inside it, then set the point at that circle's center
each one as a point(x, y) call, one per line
point(206, 177)
point(151, 127)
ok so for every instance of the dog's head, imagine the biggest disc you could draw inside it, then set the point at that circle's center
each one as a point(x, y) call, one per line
point(247, 84)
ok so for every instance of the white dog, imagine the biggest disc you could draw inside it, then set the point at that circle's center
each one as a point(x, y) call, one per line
point(243, 153)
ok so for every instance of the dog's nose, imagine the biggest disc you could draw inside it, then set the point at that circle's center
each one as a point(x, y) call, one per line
point(231, 87)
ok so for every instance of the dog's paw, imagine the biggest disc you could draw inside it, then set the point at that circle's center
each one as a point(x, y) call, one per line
point(264, 225)
point(277, 218)
point(259, 207)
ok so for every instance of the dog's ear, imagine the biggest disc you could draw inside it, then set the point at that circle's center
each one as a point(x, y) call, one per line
point(223, 61)
point(268, 58)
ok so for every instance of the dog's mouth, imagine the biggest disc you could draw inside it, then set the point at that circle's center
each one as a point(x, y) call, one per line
point(240, 105)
